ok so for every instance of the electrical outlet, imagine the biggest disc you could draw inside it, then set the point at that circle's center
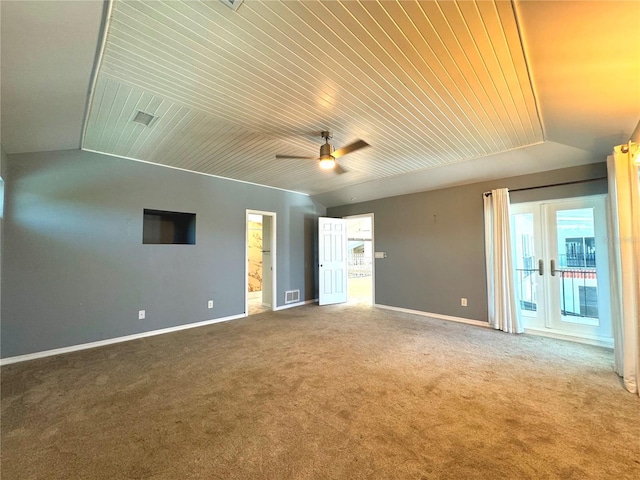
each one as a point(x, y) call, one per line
point(463, 302)
point(210, 304)
point(142, 314)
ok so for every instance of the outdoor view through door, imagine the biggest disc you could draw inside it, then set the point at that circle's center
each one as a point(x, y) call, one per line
point(561, 268)
point(360, 258)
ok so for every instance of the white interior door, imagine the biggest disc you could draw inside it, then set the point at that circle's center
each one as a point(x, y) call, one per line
point(332, 254)
point(561, 267)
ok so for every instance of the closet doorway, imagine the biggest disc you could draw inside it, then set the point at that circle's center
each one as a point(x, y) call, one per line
point(260, 261)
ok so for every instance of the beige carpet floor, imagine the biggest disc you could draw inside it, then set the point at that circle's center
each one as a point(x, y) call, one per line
point(339, 392)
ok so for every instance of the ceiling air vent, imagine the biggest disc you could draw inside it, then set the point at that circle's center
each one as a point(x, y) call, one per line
point(144, 118)
point(232, 4)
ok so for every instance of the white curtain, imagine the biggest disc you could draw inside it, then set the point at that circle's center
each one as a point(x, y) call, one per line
point(624, 235)
point(503, 314)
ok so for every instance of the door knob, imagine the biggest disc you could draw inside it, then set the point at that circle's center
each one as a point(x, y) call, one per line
point(540, 267)
point(553, 268)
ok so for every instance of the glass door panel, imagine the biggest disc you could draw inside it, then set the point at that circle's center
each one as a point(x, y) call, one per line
point(578, 262)
point(576, 266)
point(528, 269)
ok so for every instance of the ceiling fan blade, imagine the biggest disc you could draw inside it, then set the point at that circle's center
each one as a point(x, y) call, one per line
point(339, 169)
point(352, 147)
point(279, 157)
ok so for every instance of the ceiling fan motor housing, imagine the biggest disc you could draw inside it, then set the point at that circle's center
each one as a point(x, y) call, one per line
point(326, 150)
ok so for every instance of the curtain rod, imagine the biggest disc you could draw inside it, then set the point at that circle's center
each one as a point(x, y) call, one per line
point(486, 194)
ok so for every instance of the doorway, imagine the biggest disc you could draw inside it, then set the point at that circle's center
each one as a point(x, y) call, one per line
point(260, 289)
point(360, 270)
point(561, 268)
point(346, 270)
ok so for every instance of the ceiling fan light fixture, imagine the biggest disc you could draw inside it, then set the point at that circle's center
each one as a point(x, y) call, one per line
point(327, 162)
point(328, 155)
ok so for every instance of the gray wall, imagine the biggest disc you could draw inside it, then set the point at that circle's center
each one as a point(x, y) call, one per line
point(435, 240)
point(3, 160)
point(75, 269)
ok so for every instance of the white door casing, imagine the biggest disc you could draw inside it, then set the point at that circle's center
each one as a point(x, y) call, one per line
point(267, 263)
point(332, 255)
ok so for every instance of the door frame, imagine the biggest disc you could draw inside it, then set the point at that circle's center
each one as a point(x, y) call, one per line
point(274, 292)
point(373, 256)
point(541, 222)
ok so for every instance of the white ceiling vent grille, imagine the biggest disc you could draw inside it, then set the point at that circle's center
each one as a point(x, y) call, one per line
point(232, 4)
point(144, 118)
point(291, 296)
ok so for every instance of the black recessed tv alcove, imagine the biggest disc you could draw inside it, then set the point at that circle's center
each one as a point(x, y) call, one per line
point(161, 227)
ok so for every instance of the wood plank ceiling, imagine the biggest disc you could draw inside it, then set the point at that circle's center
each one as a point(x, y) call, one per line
point(425, 83)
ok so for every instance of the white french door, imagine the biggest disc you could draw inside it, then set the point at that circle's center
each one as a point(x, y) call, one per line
point(561, 268)
point(332, 265)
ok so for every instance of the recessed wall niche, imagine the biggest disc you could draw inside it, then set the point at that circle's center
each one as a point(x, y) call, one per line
point(162, 227)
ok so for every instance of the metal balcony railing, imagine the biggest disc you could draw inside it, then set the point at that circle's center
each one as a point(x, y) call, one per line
point(360, 265)
point(579, 296)
point(526, 284)
point(578, 291)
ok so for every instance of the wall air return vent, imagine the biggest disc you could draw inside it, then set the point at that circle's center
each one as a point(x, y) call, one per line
point(232, 4)
point(144, 118)
point(291, 296)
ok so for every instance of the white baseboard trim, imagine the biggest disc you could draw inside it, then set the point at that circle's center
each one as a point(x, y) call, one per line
point(597, 341)
point(468, 321)
point(291, 305)
point(102, 343)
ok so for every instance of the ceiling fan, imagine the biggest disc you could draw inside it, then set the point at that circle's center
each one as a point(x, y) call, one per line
point(328, 155)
